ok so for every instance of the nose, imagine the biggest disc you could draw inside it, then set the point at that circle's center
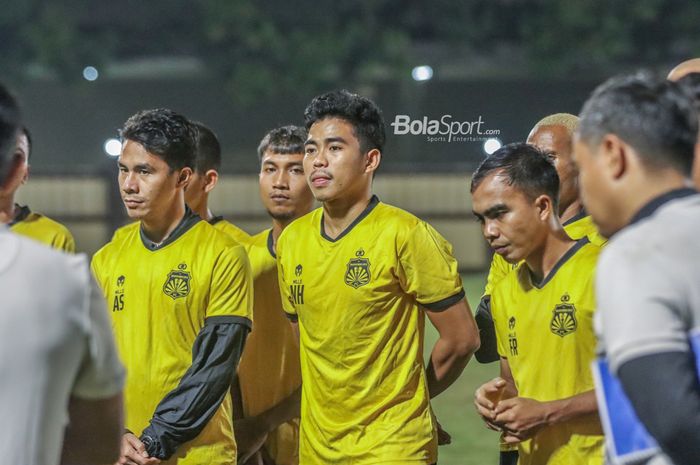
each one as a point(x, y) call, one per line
point(281, 181)
point(129, 184)
point(320, 159)
point(490, 230)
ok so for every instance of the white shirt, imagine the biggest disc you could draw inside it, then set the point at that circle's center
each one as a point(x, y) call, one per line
point(55, 342)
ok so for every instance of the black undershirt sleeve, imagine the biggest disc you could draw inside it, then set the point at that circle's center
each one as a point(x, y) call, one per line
point(488, 351)
point(665, 393)
point(185, 411)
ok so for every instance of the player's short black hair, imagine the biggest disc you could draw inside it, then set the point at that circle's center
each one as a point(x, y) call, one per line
point(164, 133)
point(9, 123)
point(284, 140)
point(364, 115)
point(691, 83)
point(524, 167)
point(208, 156)
point(655, 116)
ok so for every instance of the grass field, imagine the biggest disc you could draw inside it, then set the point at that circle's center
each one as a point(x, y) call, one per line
point(472, 443)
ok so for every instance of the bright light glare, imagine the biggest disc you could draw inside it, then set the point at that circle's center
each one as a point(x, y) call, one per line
point(113, 147)
point(422, 73)
point(491, 145)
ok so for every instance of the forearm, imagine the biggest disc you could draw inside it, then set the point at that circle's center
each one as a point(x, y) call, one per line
point(570, 408)
point(286, 410)
point(185, 411)
point(447, 361)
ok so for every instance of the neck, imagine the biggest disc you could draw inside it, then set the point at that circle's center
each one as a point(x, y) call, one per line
point(339, 214)
point(7, 208)
point(158, 229)
point(543, 259)
point(203, 211)
point(648, 189)
point(277, 228)
point(570, 211)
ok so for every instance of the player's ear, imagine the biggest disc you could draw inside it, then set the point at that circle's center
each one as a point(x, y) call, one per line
point(372, 160)
point(183, 178)
point(25, 178)
point(615, 155)
point(211, 177)
point(545, 206)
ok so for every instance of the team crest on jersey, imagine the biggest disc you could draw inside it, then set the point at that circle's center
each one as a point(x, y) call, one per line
point(178, 283)
point(563, 318)
point(357, 273)
point(512, 337)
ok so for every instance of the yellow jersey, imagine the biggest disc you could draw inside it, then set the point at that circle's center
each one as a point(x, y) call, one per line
point(160, 297)
point(269, 370)
point(43, 229)
point(577, 227)
point(230, 229)
point(359, 301)
point(546, 332)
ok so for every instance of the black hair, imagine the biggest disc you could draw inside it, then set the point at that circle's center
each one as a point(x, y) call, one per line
point(691, 84)
point(164, 133)
point(208, 156)
point(9, 123)
point(524, 167)
point(362, 113)
point(655, 116)
point(285, 140)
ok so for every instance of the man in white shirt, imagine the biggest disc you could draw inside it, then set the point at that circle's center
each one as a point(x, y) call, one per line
point(60, 394)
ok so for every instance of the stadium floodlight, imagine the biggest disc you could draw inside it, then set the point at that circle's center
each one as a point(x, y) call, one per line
point(90, 73)
point(113, 147)
point(422, 73)
point(491, 145)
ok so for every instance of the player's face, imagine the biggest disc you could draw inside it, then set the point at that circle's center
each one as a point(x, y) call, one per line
point(335, 166)
point(596, 192)
point(513, 224)
point(147, 184)
point(283, 188)
point(555, 140)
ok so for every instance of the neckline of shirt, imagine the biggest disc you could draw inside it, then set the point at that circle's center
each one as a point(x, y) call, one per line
point(656, 203)
point(373, 202)
point(188, 220)
point(562, 260)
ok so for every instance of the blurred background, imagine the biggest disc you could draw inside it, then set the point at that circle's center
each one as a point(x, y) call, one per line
point(487, 68)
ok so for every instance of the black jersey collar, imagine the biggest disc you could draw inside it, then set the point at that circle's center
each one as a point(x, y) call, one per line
point(373, 202)
point(271, 244)
point(23, 212)
point(649, 209)
point(564, 258)
point(188, 220)
point(578, 216)
point(215, 219)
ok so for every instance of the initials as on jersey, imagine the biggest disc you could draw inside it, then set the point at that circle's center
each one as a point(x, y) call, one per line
point(118, 301)
point(296, 289)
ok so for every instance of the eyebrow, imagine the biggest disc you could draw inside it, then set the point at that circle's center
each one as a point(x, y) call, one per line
point(140, 166)
point(491, 211)
point(328, 140)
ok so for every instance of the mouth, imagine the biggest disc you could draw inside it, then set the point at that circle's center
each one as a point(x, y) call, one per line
point(279, 197)
point(132, 203)
point(320, 179)
point(500, 249)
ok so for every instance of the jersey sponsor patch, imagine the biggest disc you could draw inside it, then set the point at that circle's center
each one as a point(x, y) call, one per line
point(178, 282)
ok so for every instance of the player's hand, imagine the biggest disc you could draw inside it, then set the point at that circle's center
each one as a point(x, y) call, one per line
point(521, 417)
point(444, 437)
point(251, 434)
point(133, 452)
point(486, 398)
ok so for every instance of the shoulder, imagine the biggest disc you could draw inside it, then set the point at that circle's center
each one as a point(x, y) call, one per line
point(232, 230)
point(48, 262)
point(302, 225)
